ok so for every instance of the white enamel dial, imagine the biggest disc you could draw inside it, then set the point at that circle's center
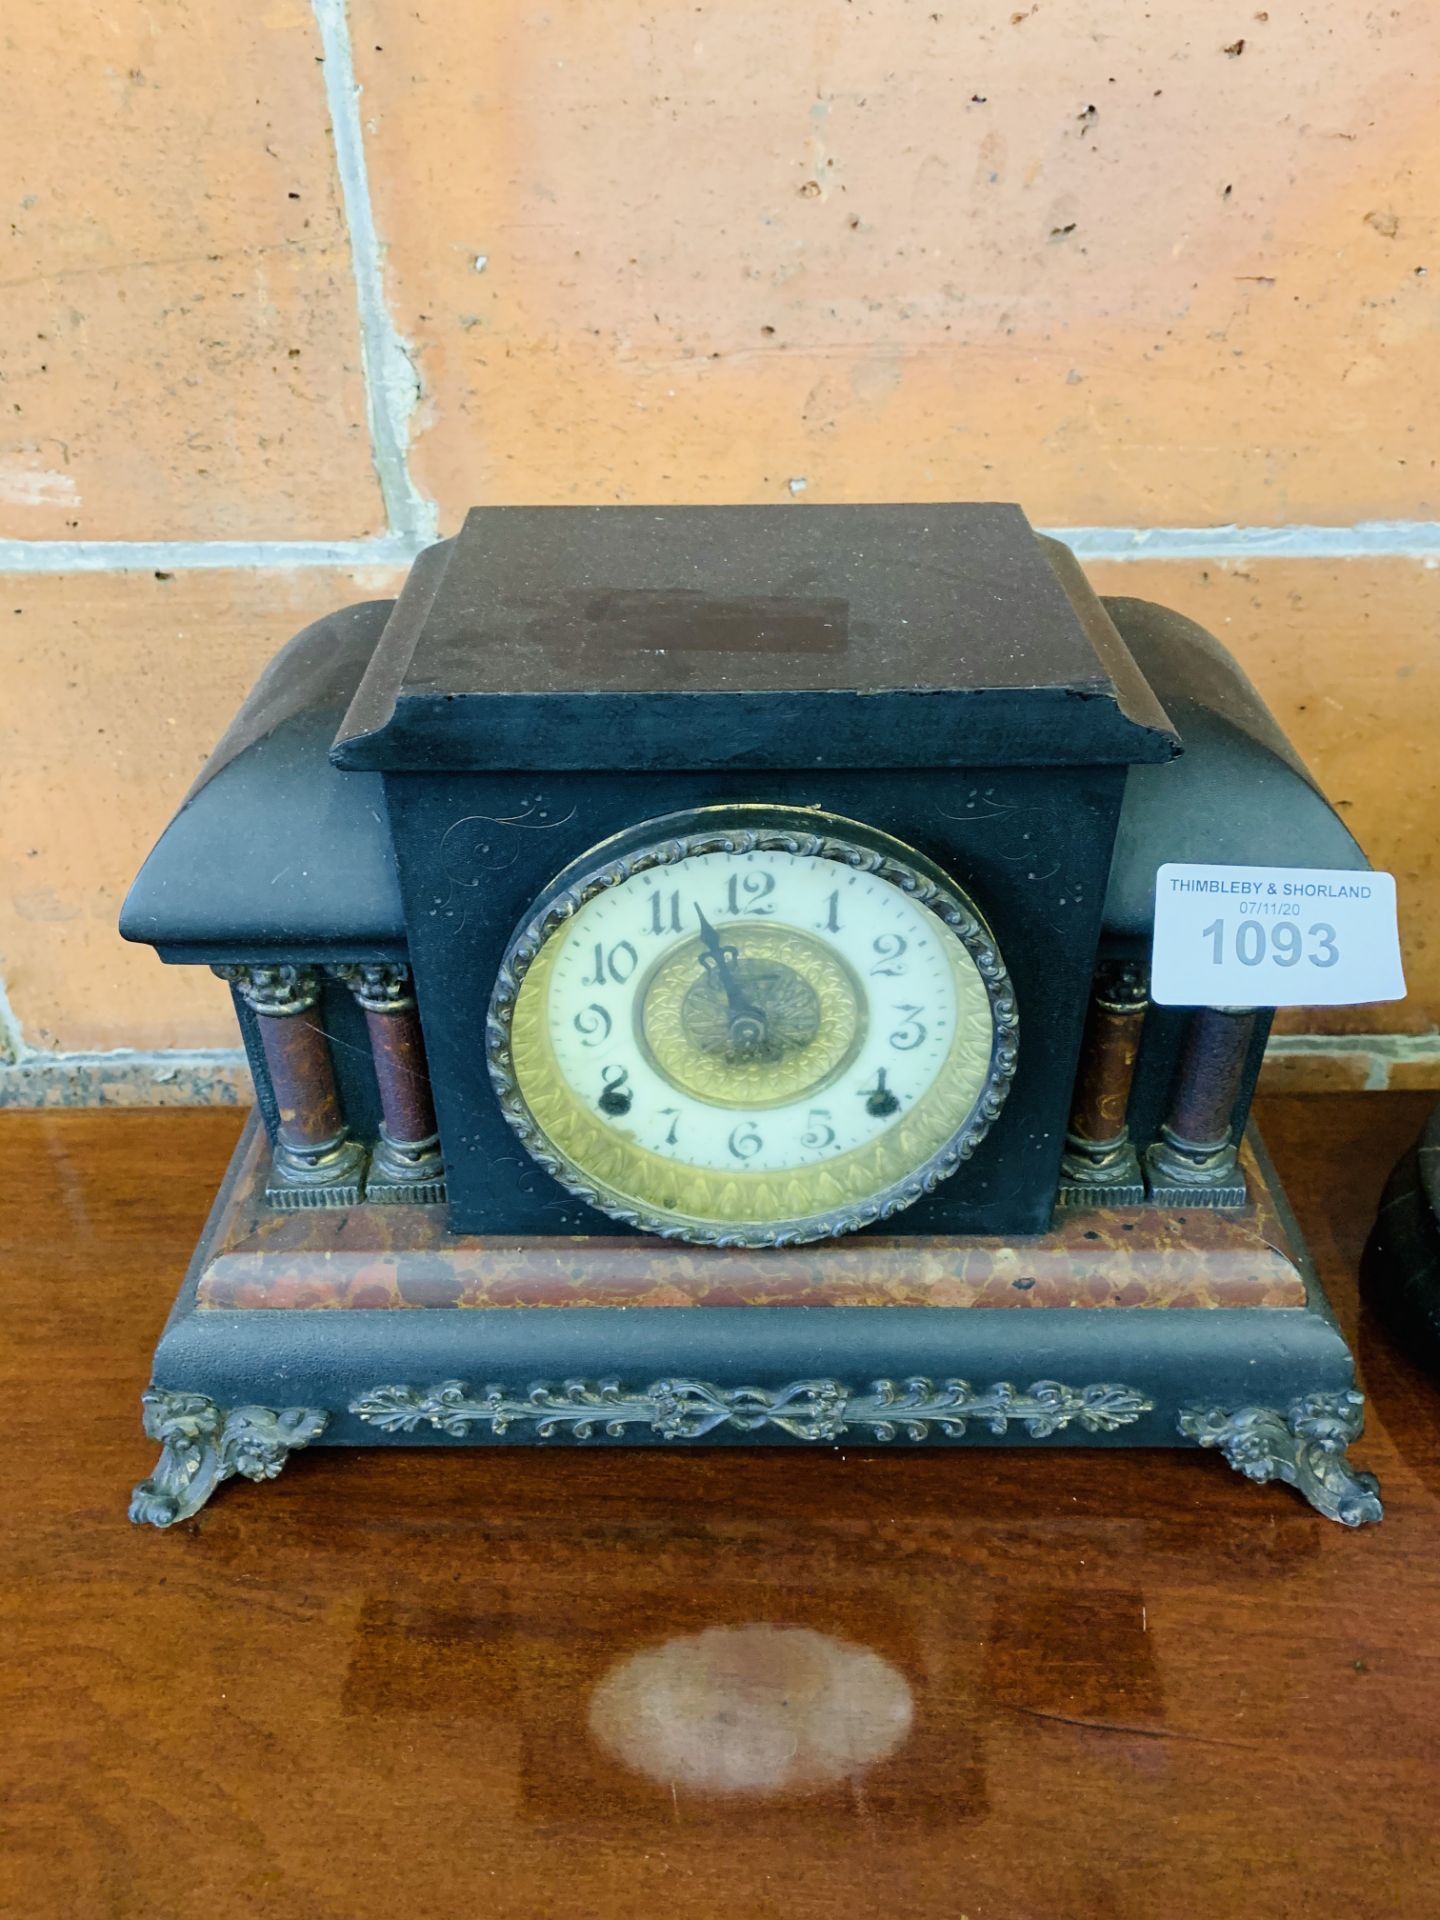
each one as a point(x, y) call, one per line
point(882, 949)
point(761, 1037)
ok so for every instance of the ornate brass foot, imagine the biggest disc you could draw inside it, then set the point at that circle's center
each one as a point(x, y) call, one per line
point(202, 1444)
point(1305, 1447)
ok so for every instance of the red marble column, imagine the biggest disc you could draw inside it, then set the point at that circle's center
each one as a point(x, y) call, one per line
point(314, 1160)
point(1195, 1162)
point(406, 1165)
point(1100, 1166)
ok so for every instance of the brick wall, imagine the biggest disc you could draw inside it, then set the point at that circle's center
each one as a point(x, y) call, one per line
point(289, 287)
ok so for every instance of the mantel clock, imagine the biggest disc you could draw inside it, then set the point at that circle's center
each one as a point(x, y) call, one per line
point(693, 965)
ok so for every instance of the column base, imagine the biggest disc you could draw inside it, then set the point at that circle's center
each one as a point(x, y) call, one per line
point(406, 1173)
point(1212, 1180)
point(1114, 1182)
point(332, 1175)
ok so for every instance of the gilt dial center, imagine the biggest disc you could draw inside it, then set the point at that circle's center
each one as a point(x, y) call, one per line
point(779, 1020)
point(785, 1015)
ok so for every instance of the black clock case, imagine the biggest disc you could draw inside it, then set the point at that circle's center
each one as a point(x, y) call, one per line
point(363, 804)
point(930, 672)
point(482, 745)
point(463, 906)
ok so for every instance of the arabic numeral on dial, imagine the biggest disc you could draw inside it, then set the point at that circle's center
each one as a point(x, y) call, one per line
point(890, 947)
point(746, 892)
point(831, 922)
point(672, 1114)
point(745, 1141)
point(615, 1097)
point(593, 1024)
point(664, 913)
point(912, 1031)
point(819, 1134)
point(613, 968)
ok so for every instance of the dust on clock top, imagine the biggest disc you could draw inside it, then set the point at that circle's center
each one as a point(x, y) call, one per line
point(749, 637)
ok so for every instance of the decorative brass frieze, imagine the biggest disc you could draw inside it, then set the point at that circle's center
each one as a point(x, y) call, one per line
point(805, 1409)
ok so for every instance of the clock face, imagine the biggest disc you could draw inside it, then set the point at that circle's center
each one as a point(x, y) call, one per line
point(770, 1027)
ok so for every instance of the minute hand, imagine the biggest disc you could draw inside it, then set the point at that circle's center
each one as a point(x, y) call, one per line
point(715, 957)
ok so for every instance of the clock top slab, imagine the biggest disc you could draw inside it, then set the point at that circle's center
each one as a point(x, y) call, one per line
point(735, 637)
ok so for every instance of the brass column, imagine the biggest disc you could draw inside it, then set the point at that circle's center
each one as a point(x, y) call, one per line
point(1195, 1162)
point(1100, 1166)
point(406, 1165)
point(314, 1161)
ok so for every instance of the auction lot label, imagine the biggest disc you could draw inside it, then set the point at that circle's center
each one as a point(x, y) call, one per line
point(1274, 937)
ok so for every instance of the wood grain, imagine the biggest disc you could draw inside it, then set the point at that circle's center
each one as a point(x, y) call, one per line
point(395, 1684)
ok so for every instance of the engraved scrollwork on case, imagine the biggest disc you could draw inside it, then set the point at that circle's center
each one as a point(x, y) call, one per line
point(1305, 1447)
point(483, 844)
point(947, 905)
point(202, 1445)
point(813, 1410)
point(1020, 834)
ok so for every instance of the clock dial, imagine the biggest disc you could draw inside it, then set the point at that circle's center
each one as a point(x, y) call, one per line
point(754, 1032)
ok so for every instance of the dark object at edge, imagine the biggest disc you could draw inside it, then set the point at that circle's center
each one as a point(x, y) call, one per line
point(1400, 1272)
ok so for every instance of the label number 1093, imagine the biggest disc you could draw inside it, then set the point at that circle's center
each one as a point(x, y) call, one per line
point(1283, 945)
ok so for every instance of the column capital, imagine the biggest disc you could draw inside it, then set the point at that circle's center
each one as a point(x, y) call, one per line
point(1122, 986)
point(274, 989)
point(381, 986)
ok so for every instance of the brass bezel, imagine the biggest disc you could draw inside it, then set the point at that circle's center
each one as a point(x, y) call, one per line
point(811, 833)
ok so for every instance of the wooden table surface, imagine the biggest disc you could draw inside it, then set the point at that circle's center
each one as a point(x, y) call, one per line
point(558, 1683)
